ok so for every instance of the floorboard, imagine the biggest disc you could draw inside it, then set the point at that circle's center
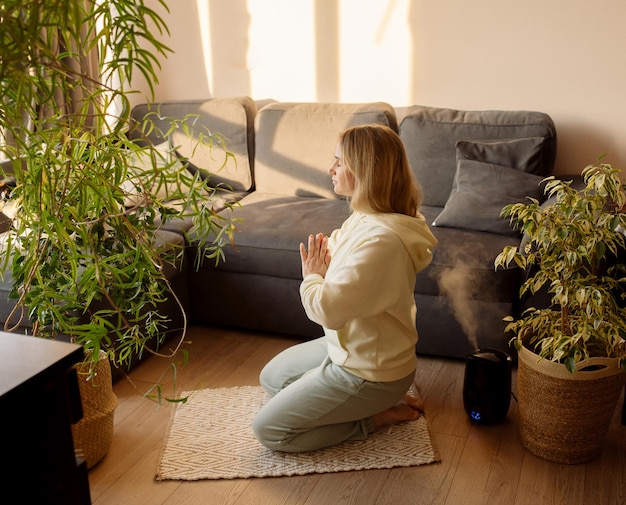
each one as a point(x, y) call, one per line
point(479, 464)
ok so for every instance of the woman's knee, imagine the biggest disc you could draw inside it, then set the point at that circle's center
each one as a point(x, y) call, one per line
point(290, 364)
point(266, 432)
point(268, 378)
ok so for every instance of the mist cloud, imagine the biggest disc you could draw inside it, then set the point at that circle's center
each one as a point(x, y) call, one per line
point(458, 284)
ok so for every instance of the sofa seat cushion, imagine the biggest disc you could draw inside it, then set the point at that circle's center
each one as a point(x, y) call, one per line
point(272, 227)
point(462, 265)
point(431, 134)
point(270, 230)
point(296, 143)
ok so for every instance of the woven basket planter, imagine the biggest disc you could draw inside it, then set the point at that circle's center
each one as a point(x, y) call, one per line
point(93, 434)
point(564, 417)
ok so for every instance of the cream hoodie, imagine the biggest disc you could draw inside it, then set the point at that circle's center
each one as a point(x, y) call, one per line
point(365, 303)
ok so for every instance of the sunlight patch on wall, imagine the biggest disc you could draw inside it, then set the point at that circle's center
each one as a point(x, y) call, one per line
point(281, 54)
point(376, 51)
point(289, 44)
point(205, 36)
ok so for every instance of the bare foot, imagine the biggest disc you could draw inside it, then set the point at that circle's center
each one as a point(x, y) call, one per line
point(409, 409)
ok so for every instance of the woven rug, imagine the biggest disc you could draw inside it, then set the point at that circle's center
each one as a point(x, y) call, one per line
point(210, 437)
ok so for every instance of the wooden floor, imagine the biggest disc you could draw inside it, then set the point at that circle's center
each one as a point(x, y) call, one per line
point(479, 465)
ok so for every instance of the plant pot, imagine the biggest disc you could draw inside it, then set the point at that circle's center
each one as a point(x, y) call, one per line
point(93, 434)
point(564, 416)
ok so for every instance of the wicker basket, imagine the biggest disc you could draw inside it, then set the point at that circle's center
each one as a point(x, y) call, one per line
point(93, 434)
point(564, 417)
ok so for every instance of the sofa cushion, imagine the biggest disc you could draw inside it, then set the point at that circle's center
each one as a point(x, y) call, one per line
point(231, 118)
point(431, 134)
point(525, 154)
point(147, 170)
point(270, 229)
point(296, 142)
point(480, 192)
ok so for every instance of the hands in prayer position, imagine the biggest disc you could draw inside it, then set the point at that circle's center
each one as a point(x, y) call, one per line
point(315, 256)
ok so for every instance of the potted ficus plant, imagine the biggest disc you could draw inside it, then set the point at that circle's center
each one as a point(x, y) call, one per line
point(85, 255)
point(572, 355)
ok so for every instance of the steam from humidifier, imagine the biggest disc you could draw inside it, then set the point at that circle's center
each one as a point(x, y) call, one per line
point(459, 287)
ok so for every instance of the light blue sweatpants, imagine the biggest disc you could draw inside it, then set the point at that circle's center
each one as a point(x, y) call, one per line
point(315, 403)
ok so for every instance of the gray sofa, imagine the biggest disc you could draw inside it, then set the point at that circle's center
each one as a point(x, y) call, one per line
point(469, 163)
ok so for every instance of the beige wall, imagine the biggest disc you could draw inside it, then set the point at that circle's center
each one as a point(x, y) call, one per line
point(563, 57)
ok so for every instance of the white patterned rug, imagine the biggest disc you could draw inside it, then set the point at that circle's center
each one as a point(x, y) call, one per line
point(210, 437)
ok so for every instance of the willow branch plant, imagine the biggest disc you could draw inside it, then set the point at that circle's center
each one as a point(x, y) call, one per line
point(84, 253)
point(573, 244)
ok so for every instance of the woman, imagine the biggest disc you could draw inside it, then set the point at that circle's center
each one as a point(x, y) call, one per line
point(358, 285)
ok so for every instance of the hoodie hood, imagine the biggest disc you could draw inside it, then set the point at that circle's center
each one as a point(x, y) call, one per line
point(412, 231)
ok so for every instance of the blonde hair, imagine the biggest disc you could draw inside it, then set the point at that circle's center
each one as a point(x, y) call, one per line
point(383, 179)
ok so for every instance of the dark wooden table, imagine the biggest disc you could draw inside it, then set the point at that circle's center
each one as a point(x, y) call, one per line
point(39, 401)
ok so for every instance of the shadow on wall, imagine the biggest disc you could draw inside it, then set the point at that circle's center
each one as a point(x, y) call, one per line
point(575, 143)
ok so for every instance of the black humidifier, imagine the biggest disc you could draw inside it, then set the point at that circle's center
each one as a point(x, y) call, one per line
point(487, 385)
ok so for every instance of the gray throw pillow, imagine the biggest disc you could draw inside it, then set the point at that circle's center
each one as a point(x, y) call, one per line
point(525, 154)
point(480, 192)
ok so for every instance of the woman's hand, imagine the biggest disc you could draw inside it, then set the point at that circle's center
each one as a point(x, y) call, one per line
point(317, 258)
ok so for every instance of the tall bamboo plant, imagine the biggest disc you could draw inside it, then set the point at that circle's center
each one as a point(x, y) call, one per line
point(574, 244)
point(83, 253)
